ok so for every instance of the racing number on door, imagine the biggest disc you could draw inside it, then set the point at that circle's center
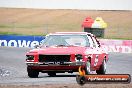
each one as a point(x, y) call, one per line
point(96, 60)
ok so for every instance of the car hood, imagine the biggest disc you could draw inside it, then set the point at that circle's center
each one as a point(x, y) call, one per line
point(61, 50)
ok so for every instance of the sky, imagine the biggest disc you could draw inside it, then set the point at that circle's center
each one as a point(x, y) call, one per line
point(69, 4)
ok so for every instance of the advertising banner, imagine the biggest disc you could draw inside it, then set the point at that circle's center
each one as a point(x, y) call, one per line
point(20, 41)
point(110, 45)
point(122, 46)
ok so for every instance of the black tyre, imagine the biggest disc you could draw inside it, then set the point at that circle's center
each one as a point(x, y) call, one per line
point(32, 73)
point(102, 69)
point(87, 67)
point(51, 74)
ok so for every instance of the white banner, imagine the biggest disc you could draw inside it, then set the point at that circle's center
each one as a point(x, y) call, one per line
point(122, 46)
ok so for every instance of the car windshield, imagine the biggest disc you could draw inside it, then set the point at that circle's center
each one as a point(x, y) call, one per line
point(66, 40)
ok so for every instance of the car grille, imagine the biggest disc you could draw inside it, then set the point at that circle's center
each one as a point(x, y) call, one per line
point(54, 58)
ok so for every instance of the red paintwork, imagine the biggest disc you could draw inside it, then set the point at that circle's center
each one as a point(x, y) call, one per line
point(72, 50)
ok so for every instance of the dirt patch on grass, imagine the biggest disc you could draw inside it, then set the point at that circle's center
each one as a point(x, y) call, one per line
point(42, 21)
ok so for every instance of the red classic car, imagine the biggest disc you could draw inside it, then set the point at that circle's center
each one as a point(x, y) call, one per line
point(66, 52)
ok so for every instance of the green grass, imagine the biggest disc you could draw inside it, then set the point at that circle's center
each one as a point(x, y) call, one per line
point(11, 33)
point(19, 25)
point(118, 38)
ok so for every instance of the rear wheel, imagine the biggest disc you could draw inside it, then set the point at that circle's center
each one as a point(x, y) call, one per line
point(102, 69)
point(52, 74)
point(87, 68)
point(32, 73)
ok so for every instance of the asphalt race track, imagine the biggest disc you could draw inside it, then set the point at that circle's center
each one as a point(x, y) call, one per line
point(13, 68)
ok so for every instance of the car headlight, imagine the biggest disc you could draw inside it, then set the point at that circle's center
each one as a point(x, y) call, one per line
point(29, 57)
point(79, 57)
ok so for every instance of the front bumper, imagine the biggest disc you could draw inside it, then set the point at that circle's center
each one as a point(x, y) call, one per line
point(65, 67)
point(79, 63)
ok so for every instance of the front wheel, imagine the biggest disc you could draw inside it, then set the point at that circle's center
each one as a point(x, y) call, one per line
point(102, 69)
point(87, 67)
point(32, 73)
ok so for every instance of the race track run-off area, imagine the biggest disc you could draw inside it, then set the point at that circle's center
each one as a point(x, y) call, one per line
point(13, 68)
